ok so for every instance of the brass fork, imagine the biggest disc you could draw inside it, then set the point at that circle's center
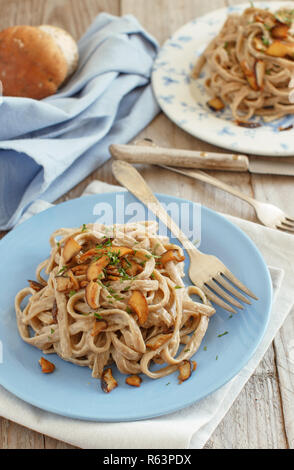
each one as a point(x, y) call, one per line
point(206, 271)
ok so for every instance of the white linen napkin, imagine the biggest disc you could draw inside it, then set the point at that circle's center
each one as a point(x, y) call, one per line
point(188, 428)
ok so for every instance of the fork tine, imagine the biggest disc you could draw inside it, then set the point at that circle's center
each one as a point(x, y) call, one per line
point(223, 282)
point(213, 285)
point(285, 228)
point(214, 298)
point(288, 223)
point(239, 284)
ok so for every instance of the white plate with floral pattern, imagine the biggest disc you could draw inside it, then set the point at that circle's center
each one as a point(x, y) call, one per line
point(184, 100)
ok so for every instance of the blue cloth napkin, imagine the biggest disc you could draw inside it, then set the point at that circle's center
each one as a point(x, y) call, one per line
point(48, 146)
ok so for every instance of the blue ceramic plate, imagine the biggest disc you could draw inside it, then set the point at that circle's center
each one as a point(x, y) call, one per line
point(70, 390)
point(184, 100)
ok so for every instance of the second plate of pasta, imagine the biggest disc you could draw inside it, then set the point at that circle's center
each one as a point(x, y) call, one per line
point(227, 78)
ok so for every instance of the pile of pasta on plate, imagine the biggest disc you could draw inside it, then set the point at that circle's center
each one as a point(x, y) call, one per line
point(114, 296)
point(250, 66)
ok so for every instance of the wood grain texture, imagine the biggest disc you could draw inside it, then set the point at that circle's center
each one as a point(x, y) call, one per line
point(263, 415)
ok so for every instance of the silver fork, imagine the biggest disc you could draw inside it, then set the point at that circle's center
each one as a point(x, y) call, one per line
point(270, 215)
point(206, 271)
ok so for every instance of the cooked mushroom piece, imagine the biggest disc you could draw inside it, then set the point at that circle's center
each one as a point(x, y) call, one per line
point(92, 294)
point(280, 31)
point(134, 380)
point(185, 371)
point(99, 325)
point(248, 125)
point(71, 249)
point(47, 366)
point(35, 285)
point(80, 269)
point(121, 250)
point(158, 341)
point(95, 269)
point(63, 283)
point(260, 73)
point(54, 311)
point(88, 254)
point(171, 255)
point(131, 267)
point(74, 281)
point(250, 75)
point(138, 303)
point(281, 49)
point(216, 104)
point(108, 382)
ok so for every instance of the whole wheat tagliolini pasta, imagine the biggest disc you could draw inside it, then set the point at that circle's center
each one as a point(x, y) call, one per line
point(114, 295)
point(251, 65)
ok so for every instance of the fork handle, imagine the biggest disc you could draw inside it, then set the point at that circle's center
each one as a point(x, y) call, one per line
point(205, 178)
point(129, 177)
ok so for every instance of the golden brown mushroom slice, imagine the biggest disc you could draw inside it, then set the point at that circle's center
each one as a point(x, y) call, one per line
point(71, 249)
point(138, 303)
point(171, 255)
point(131, 267)
point(63, 283)
point(250, 75)
point(185, 371)
point(281, 49)
point(92, 294)
point(47, 366)
point(121, 251)
point(95, 269)
point(134, 381)
point(35, 285)
point(108, 382)
point(280, 31)
point(158, 341)
point(216, 104)
point(99, 325)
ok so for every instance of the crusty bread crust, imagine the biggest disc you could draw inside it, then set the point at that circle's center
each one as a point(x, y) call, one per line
point(66, 43)
point(32, 65)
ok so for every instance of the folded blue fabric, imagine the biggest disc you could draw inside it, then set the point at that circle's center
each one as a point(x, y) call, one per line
point(48, 146)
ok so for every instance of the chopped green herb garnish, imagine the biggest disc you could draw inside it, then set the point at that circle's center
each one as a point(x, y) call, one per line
point(186, 350)
point(178, 287)
point(64, 268)
point(205, 348)
point(223, 334)
point(52, 331)
point(72, 292)
point(168, 383)
point(84, 228)
point(128, 310)
point(216, 358)
point(265, 41)
point(98, 316)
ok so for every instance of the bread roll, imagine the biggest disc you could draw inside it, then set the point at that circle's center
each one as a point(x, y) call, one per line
point(36, 60)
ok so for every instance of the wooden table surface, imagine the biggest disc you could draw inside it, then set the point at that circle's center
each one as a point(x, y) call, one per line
point(263, 415)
